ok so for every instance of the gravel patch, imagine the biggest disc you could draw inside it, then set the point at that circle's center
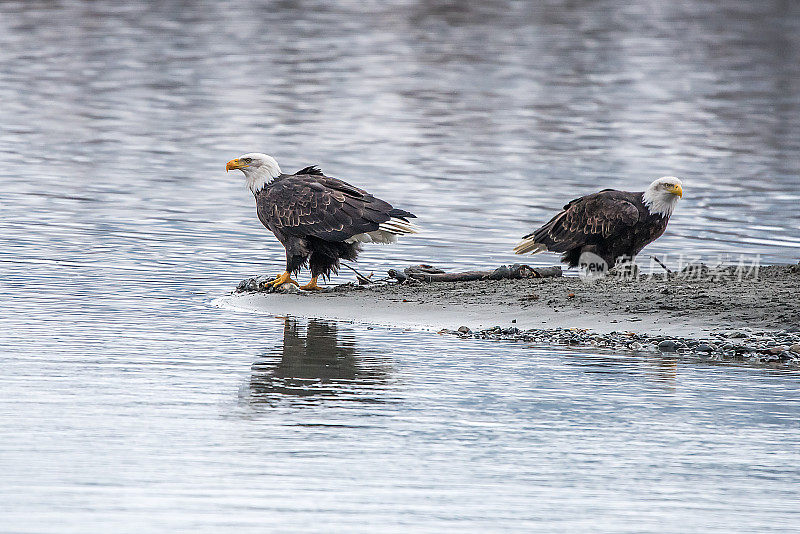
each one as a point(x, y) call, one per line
point(745, 345)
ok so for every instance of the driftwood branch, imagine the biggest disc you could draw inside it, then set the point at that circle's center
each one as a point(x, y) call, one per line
point(661, 263)
point(427, 273)
point(362, 280)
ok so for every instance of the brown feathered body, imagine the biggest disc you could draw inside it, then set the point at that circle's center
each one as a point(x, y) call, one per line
point(611, 224)
point(321, 220)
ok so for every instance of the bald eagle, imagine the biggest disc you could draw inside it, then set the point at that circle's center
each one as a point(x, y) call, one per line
point(611, 224)
point(318, 219)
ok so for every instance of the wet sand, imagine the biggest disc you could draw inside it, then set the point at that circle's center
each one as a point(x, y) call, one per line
point(683, 305)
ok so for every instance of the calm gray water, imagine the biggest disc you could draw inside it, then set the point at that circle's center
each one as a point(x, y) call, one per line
point(130, 404)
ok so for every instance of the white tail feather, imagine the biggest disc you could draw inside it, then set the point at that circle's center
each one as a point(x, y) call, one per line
point(399, 226)
point(386, 233)
point(529, 244)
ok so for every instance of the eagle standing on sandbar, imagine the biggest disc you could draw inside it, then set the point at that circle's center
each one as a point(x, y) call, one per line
point(318, 219)
point(611, 224)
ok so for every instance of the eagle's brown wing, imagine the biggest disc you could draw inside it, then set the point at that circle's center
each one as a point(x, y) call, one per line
point(315, 205)
point(584, 220)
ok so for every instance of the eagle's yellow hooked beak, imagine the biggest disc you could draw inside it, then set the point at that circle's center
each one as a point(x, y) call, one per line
point(677, 190)
point(233, 165)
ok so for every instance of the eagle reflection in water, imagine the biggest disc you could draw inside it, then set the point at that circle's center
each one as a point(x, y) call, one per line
point(319, 364)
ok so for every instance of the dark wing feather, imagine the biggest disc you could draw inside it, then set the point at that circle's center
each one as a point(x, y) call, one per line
point(322, 207)
point(586, 219)
point(311, 169)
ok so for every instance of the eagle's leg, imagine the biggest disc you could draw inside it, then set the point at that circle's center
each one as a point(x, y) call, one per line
point(294, 261)
point(281, 279)
point(625, 267)
point(312, 285)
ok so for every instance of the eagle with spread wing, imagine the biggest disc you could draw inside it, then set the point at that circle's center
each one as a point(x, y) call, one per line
point(318, 219)
point(611, 224)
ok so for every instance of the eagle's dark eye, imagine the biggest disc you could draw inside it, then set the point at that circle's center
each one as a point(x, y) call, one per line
point(247, 160)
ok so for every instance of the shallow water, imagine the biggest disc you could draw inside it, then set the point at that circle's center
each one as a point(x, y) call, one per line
point(130, 403)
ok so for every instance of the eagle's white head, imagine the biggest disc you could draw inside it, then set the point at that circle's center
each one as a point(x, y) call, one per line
point(662, 195)
point(258, 169)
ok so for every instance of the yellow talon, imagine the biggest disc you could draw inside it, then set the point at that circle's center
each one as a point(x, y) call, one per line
point(311, 286)
point(281, 279)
